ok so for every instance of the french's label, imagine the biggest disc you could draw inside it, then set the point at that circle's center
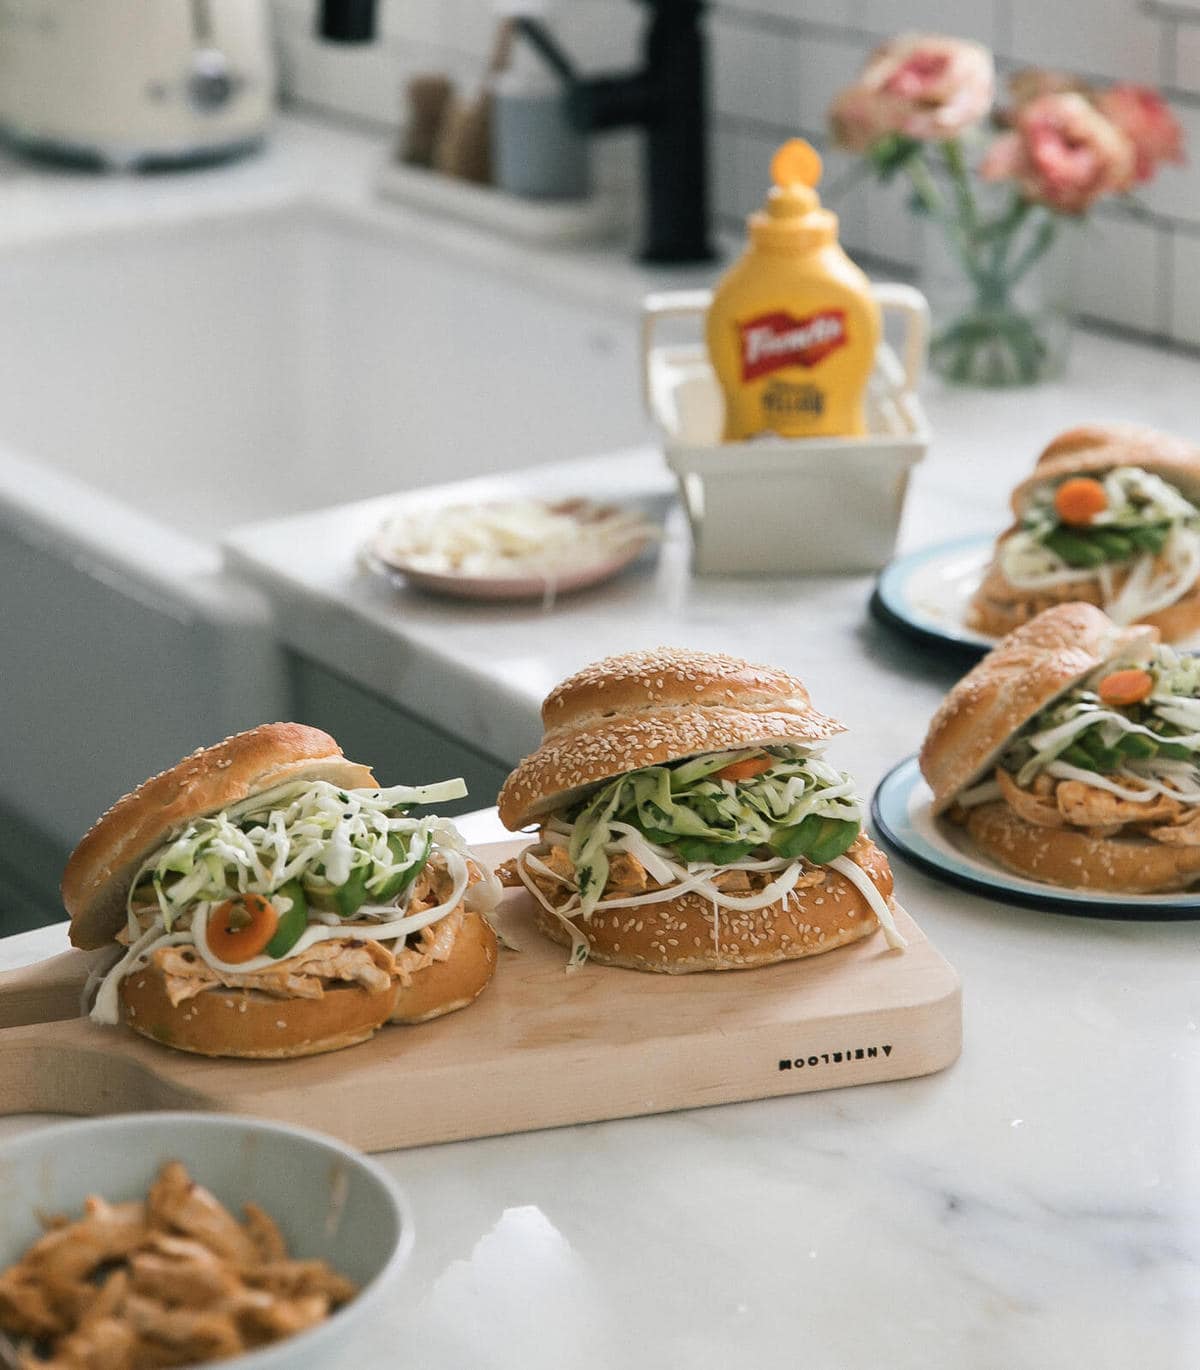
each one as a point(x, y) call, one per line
point(773, 341)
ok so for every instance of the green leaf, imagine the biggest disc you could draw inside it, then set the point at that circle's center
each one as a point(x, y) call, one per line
point(889, 154)
point(1138, 746)
point(350, 897)
point(1075, 755)
point(1115, 544)
point(819, 839)
point(719, 853)
point(292, 923)
point(1151, 538)
point(1074, 548)
point(398, 883)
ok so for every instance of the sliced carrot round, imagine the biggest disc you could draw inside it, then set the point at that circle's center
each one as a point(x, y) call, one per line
point(745, 770)
point(1123, 688)
point(239, 929)
point(1077, 501)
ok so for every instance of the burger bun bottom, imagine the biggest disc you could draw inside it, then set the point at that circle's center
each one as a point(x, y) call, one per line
point(676, 936)
point(1075, 859)
point(252, 1025)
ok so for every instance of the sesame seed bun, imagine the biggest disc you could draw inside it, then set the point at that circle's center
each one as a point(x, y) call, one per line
point(676, 936)
point(1027, 670)
point(1077, 859)
point(650, 707)
point(96, 880)
point(444, 986)
point(1094, 450)
point(998, 606)
point(249, 1024)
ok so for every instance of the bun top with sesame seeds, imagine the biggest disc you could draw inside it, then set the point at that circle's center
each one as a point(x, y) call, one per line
point(1097, 448)
point(650, 707)
point(97, 875)
point(1027, 670)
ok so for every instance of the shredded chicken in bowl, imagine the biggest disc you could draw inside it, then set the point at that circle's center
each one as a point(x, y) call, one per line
point(174, 1280)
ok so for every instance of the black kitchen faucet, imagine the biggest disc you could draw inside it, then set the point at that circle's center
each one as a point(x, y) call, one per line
point(668, 98)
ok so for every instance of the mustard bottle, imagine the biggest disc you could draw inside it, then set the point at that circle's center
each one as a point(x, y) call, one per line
point(793, 326)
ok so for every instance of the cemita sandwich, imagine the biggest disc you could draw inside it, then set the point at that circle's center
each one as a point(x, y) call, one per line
point(688, 820)
point(1110, 517)
point(269, 900)
point(1071, 754)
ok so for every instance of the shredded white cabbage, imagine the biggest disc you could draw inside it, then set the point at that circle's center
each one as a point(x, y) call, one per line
point(869, 891)
point(516, 539)
point(311, 832)
point(1134, 750)
point(1136, 499)
point(680, 877)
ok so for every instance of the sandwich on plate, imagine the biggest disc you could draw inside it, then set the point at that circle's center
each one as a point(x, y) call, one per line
point(266, 898)
point(1071, 754)
point(1110, 517)
point(687, 819)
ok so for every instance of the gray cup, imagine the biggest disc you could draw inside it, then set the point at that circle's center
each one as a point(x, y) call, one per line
point(536, 153)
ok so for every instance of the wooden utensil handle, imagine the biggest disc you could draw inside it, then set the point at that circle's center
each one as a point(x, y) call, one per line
point(45, 991)
point(79, 1068)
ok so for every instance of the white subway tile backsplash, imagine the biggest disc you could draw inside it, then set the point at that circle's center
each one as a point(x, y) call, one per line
point(775, 65)
point(822, 67)
point(1116, 271)
point(362, 82)
point(891, 228)
point(751, 71)
point(1109, 38)
point(836, 13)
point(1184, 317)
point(962, 18)
point(1187, 57)
point(1175, 191)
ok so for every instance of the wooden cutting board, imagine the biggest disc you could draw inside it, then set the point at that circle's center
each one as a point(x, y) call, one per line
point(540, 1048)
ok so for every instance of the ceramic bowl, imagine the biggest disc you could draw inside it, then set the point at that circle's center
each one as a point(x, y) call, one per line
point(329, 1201)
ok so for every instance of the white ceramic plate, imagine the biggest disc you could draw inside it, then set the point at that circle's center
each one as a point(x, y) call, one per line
point(514, 587)
point(926, 593)
point(902, 813)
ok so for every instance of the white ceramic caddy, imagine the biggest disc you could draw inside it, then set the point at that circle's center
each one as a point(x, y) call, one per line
point(330, 1203)
point(781, 505)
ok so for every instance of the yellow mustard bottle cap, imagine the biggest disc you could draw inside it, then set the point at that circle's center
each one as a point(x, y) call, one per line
point(796, 162)
point(792, 215)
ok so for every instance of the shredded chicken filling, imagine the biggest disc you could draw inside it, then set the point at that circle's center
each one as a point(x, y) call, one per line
point(1049, 802)
point(169, 1281)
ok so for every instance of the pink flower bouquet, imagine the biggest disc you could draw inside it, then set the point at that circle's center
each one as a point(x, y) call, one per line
point(924, 103)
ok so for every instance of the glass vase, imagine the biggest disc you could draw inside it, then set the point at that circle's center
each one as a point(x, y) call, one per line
point(1000, 318)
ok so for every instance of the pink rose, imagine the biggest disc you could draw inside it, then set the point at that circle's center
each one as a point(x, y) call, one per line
point(1146, 120)
point(1062, 153)
point(921, 86)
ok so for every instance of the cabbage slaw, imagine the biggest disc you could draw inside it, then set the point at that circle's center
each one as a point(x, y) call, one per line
point(1149, 530)
point(328, 839)
point(1137, 752)
point(686, 827)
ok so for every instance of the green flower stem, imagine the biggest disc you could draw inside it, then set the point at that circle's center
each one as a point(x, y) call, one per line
point(931, 198)
point(952, 154)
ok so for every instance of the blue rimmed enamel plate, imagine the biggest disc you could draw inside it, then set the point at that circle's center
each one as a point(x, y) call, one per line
point(901, 811)
point(925, 594)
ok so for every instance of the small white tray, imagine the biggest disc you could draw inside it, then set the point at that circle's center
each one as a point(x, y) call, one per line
point(546, 222)
point(786, 505)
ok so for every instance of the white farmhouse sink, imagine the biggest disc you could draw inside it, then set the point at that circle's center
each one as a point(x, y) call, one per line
point(211, 372)
point(160, 385)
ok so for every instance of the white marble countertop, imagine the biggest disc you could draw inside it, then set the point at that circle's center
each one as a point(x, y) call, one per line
point(1037, 1205)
